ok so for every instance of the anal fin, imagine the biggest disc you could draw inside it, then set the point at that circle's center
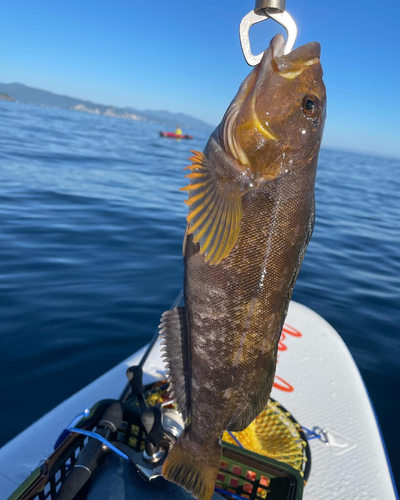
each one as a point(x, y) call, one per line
point(175, 345)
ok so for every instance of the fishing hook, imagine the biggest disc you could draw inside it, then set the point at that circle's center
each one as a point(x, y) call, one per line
point(254, 17)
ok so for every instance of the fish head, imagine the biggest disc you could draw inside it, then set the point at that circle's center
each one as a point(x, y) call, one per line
point(278, 113)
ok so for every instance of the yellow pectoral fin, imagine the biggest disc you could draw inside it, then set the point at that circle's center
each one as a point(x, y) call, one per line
point(215, 210)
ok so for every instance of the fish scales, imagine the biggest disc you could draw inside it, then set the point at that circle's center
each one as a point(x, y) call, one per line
point(250, 296)
point(251, 216)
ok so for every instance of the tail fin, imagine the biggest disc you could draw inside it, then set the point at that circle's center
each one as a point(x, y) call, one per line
point(193, 466)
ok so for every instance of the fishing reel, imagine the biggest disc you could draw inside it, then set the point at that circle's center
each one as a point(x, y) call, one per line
point(162, 426)
point(129, 440)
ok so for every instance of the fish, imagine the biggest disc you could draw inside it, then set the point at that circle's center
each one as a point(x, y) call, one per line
point(250, 218)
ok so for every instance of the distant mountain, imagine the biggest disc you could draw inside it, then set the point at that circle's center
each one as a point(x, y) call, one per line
point(30, 95)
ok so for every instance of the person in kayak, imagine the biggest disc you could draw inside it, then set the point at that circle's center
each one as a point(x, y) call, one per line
point(178, 130)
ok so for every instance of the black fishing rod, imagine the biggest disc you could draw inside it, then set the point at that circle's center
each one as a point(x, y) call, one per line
point(91, 454)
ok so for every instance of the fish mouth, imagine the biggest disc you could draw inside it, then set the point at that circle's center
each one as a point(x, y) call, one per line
point(291, 65)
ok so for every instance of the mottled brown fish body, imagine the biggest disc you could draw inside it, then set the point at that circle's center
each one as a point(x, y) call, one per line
point(251, 215)
point(242, 304)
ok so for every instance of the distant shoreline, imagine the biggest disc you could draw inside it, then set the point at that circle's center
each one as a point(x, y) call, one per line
point(30, 95)
point(6, 97)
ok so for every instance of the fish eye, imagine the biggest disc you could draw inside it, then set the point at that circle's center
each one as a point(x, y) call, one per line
point(310, 105)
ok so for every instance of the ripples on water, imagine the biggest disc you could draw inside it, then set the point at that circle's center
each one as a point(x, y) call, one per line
point(91, 228)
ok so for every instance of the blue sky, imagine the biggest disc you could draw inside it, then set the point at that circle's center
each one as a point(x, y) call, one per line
point(185, 56)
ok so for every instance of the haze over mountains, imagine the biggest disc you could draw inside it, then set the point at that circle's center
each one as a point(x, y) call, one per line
point(30, 95)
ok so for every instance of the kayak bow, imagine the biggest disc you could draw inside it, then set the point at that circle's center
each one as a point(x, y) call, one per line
point(171, 135)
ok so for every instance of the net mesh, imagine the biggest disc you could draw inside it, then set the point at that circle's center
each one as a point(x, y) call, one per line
point(273, 434)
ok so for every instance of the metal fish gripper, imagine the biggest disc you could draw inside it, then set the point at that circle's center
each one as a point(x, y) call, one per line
point(266, 9)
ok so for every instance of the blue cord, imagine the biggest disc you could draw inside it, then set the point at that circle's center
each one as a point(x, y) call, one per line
point(94, 435)
point(235, 439)
point(65, 433)
point(71, 428)
point(225, 492)
point(84, 414)
point(310, 434)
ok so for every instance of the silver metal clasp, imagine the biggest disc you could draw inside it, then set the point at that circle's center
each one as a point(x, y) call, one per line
point(261, 14)
point(277, 5)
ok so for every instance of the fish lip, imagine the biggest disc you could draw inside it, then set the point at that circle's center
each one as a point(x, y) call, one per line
point(275, 50)
point(305, 53)
point(298, 59)
point(278, 45)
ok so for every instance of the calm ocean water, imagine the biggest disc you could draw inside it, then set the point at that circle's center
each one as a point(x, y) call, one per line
point(91, 228)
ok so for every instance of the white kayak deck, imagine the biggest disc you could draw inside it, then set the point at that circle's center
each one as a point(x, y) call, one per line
point(317, 381)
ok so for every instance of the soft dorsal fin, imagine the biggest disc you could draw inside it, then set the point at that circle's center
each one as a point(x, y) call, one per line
point(215, 208)
point(258, 401)
point(249, 412)
point(175, 345)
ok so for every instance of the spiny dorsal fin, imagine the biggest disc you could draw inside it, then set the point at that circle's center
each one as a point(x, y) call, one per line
point(175, 345)
point(215, 209)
